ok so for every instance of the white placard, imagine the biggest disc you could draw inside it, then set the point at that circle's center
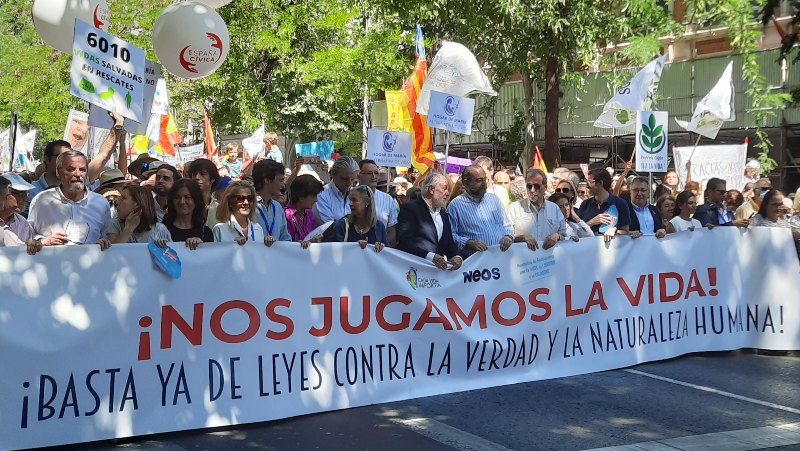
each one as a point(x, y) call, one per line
point(98, 117)
point(389, 148)
point(76, 130)
point(107, 71)
point(722, 161)
point(652, 149)
point(451, 112)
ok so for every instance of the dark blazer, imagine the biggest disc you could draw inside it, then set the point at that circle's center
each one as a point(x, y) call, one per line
point(416, 232)
point(658, 221)
point(707, 212)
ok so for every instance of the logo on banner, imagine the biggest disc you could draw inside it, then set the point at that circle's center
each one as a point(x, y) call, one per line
point(189, 56)
point(481, 274)
point(451, 105)
point(420, 282)
point(389, 141)
point(653, 137)
point(411, 277)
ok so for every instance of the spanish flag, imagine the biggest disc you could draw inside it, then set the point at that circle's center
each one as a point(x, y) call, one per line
point(538, 161)
point(422, 155)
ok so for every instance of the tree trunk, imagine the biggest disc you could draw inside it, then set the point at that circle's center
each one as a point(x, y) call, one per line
point(526, 159)
point(551, 152)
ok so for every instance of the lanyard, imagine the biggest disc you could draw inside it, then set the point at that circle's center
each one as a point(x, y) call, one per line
point(271, 226)
point(252, 231)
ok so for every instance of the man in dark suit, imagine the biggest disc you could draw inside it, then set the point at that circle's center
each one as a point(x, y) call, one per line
point(423, 225)
point(645, 218)
point(713, 211)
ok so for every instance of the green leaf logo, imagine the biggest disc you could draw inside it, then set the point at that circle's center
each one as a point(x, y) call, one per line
point(106, 95)
point(86, 85)
point(652, 138)
point(622, 116)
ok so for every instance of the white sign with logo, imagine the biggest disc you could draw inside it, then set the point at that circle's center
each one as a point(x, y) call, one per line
point(98, 117)
point(389, 148)
point(721, 161)
point(107, 71)
point(451, 112)
point(652, 151)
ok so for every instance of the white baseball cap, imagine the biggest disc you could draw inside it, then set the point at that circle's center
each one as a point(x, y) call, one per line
point(753, 164)
point(17, 182)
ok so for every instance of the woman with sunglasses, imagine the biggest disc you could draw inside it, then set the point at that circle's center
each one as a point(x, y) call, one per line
point(185, 217)
point(136, 220)
point(567, 188)
point(236, 215)
point(361, 225)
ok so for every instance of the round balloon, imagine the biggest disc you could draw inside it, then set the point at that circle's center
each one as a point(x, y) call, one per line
point(190, 39)
point(55, 19)
point(215, 3)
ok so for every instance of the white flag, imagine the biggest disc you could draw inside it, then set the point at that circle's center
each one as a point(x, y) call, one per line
point(5, 148)
point(24, 155)
point(255, 143)
point(715, 108)
point(636, 95)
point(455, 70)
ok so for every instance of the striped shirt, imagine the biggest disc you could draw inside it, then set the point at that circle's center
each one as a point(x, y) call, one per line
point(483, 220)
point(331, 204)
point(386, 209)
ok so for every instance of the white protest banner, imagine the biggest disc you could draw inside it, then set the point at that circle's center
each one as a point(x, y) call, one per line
point(254, 144)
point(715, 108)
point(98, 345)
point(721, 161)
point(184, 154)
point(652, 151)
point(76, 131)
point(636, 95)
point(98, 117)
point(107, 71)
point(454, 70)
point(451, 112)
point(389, 148)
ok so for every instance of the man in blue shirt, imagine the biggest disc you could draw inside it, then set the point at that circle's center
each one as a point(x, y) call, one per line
point(645, 218)
point(595, 210)
point(332, 202)
point(713, 211)
point(269, 180)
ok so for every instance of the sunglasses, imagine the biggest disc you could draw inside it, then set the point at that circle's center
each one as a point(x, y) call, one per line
point(535, 186)
point(239, 198)
point(563, 190)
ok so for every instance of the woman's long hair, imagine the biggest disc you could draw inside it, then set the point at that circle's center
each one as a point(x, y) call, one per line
point(147, 205)
point(368, 196)
point(681, 200)
point(762, 210)
point(199, 212)
point(224, 210)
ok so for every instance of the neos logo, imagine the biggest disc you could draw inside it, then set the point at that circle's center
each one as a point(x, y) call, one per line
point(389, 141)
point(481, 274)
point(451, 105)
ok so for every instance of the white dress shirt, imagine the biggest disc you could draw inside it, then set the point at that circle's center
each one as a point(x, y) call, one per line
point(541, 223)
point(84, 221)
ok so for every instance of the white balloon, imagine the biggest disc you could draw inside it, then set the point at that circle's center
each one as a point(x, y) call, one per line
point(55, 19)
point(190, 39)
point(215, 3)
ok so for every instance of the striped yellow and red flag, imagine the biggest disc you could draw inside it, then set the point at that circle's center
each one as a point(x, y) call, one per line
point(422, 155)
point(211, 146)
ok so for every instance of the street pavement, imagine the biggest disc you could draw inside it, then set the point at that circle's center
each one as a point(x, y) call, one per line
point(710, 401)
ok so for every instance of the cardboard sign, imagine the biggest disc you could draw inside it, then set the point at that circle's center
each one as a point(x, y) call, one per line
point(107, 71)
point(98, 117)
point(652, 151)
point(389, 148)
point(451, 112)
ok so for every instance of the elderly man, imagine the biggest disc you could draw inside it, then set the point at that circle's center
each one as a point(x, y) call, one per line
point(7, 237)
point(750, 208)
point(499, 191)
point(478, 218)
point(386, 206)
point(536, 220)
point(15, 203)
point(332, 202)
point(423, 226)
point(595, 210)
point(645, 218)
point(269, 180)
point(69, 213)
point(401, 187)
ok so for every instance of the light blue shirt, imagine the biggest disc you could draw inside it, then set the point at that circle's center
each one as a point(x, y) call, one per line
point(331, 204)
point(483, 220)
point(646, 223)
point(272, 220)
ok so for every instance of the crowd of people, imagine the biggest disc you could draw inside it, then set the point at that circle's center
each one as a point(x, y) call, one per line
point(443, 218)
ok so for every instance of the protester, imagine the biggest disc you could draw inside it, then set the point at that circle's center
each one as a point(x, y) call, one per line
point(136, 220)
point(535, 220)
point(595, 209)
point(236, 216)
point(299, 212)
point(205, 173)
point(271, 151)
point(502, 179)
point(423, 225)
point(49, 179)
point(575, 227)
point(165, 175)
point(499, 191)
point(15, 203)
point(583, 191)
point(69, 213)
point(332, 202)
point(142, 163)
point(772, 212)
point(733, 200)
point(712, 211)
point(666, 207)
point(386, 207)
point(685, 205)
point(693, 187)
point(401, 187)
point(567, 187)
point(111, 183)
point(269, 181)
point(185, 216)
point(671, 181)
point(751, 170)
point(8, 237)
point(232, 162)
point(645, 218)
point(478, 218)
point(361, 225)
point(749, 208)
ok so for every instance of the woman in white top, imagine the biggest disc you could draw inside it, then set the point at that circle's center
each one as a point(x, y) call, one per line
point(136, 220)
point(236, 214)
point(576, 227)
point(685, 204)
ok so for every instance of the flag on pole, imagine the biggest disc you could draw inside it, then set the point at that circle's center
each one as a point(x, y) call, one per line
point(636, 95)
point(251, 147)
point(161, 138)
point(399, 120)
point(715, 108)
point(538, 161)
point(211, 146)
point(422, 154)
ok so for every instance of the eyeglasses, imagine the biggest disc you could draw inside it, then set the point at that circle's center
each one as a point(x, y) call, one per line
point(535, 186)
point(563, 190)
point(239, 198)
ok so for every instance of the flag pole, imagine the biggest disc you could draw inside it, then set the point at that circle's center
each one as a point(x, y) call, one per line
point(695, 146)
point(446, 151)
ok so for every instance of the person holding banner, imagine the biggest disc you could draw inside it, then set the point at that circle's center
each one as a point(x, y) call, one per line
point(299, 211)
point(713, 210)
point(645, 218)
point(666, 207)
point(236, 216)
point(423, 225)
point(685, 205)
point(7, 237)
point(536, 220)
point(332, 201)
point(136, 220)
point(386, 207)
point(576, 227)
point(15, 202)
point(269, 180)
point(205, 173)
point(185, 217)
point(597, 211)
point(361, 225)
point(773, 213)
point(165, 175)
